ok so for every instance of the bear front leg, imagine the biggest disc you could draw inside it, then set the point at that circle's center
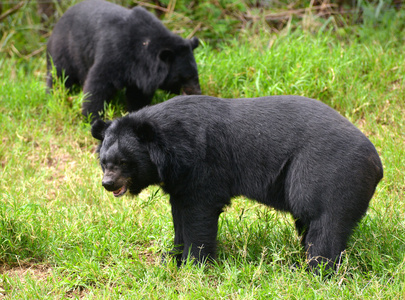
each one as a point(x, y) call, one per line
point(302, 230)
point(96, 93)
point(136, 99)
point(178, 248)
point(200, 227)
point(325, 241)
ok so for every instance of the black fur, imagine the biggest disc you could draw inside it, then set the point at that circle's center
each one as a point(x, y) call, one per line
point(292, 153)
point(106, 47)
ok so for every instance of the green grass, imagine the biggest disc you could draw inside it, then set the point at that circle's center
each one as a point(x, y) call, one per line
point(63, 236)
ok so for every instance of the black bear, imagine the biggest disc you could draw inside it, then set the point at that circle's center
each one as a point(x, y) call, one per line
point(106, 47)
point(289, 152)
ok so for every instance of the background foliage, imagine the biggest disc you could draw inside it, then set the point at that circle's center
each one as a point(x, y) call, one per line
point(62, 236)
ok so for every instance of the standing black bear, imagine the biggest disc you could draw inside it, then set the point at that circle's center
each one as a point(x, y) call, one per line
point(106, 48)
point(289, 152)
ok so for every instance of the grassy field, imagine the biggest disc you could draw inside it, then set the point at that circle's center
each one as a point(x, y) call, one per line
point(63, 236)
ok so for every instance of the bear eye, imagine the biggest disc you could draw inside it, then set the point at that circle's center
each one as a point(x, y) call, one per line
point(123, 163)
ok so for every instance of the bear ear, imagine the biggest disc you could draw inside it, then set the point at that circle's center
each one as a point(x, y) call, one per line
point(145, 131)
point(98, 129)
point(194, 42)
point(166, 55)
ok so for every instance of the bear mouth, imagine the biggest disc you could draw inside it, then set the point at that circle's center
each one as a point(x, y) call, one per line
point(120, 192)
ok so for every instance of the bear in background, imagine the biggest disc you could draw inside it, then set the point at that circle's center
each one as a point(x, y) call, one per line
point(105, 47)
point(291, 153)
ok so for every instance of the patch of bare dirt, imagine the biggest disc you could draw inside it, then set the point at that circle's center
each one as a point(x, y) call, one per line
point(38, 271)
point(35, 271)
point(77, 293)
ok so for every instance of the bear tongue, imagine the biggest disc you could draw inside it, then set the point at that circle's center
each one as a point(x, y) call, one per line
point(121, 191)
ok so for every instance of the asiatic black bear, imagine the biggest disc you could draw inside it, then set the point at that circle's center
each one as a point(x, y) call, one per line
point(289, 152)
point(105, 48)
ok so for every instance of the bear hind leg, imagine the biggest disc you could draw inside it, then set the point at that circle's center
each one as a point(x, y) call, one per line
point(69, 80)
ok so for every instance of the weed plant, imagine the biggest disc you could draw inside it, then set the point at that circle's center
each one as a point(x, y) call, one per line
point(63, 236)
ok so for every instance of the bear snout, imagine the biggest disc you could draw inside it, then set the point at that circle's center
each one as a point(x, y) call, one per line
point(116, 187)
point(109, 184)
point(113, 181)
point(191, 89)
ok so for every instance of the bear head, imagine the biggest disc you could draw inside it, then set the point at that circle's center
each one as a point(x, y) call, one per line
point(124, 156)
point(162, 59)
point(182, 73)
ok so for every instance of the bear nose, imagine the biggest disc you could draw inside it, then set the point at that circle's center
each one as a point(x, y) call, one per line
point(108, 184)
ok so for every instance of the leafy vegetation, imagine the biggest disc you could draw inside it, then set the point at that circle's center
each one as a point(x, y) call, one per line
point(62, 236)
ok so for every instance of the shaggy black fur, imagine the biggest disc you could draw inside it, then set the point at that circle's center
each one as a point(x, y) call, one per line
point(292, 153)
point(106, 47)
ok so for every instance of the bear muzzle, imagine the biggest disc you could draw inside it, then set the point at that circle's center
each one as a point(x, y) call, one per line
point(118, 188)
point(120, 192)
point(192, 87)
